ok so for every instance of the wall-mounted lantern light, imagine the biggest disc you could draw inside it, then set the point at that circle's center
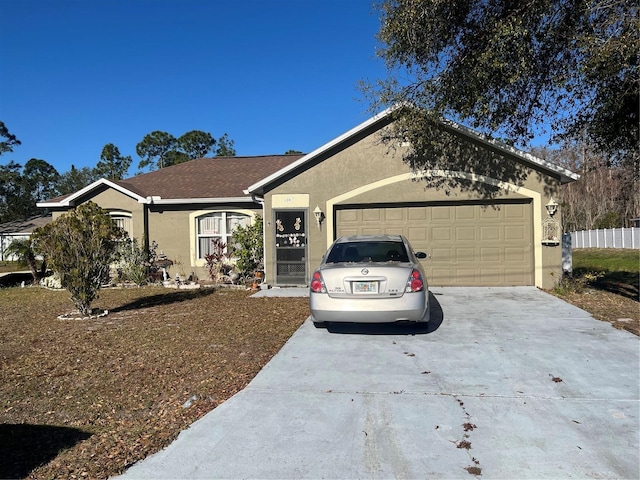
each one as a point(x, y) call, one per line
point(550, 227)
point(319, 215)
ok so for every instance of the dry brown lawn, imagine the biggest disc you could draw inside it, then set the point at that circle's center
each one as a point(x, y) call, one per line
point(87, 398)
point(619, 310)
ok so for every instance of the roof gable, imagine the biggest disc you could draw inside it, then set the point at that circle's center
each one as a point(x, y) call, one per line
point(384, 118)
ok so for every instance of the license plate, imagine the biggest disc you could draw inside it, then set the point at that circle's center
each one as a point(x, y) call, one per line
point(365, 287)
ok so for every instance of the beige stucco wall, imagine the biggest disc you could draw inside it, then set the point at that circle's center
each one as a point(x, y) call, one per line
point(114, 201)
point(173, 228)
point(367, 172)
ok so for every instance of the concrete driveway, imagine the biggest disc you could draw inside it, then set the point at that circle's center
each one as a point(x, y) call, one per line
point(506, 383)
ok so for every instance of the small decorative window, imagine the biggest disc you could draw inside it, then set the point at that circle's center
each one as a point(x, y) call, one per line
point(217, 225)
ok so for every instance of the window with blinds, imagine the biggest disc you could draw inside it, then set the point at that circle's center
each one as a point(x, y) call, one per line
point(217, 225)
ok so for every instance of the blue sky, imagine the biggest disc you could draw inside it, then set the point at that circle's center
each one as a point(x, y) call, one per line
point(273, 74)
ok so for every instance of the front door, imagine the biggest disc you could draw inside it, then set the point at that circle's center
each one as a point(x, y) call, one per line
point(291, 247)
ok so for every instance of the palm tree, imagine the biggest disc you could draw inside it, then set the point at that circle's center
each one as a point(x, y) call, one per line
point(23, 249)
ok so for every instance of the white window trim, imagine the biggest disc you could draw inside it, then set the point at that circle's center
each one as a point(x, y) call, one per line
point(120, 213)
point(193, 230)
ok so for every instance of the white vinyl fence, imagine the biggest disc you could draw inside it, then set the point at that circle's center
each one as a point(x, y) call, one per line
point(607, 238)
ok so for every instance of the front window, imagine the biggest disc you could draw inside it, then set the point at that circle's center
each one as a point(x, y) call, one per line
point(217, 225)
point(123, 221)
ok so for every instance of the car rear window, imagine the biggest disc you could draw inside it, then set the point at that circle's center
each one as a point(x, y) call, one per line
point(368, 252)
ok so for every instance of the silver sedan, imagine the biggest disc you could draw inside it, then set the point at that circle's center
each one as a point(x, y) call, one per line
point(370, 279)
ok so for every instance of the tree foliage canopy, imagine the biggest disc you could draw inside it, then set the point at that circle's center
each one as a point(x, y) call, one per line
point(154, 149)
point(508, 68)
point(196, 143)
point(76, 179)
point(161, 149)
point(80, 246)
point(112, 165)
point(9, 141)
point(225, 147)
point(40, 178)
point(21, 188)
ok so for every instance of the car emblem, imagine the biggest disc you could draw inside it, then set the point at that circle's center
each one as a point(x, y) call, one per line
point(364, 271)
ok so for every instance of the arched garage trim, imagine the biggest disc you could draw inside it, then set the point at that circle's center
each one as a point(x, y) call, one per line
point(535, 196)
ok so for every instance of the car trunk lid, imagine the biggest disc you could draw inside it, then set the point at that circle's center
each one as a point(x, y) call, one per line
point(367, 279)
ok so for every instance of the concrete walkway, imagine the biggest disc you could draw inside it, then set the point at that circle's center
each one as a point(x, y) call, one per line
point(505, 382)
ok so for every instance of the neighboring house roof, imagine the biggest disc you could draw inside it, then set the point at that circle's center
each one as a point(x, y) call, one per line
point(385, 117)
point(24, 227)
point(211, 180)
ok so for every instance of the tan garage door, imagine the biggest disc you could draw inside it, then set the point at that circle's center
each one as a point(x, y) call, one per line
point(471, 245)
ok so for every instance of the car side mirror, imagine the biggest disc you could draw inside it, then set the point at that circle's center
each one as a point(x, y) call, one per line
point(421, 255)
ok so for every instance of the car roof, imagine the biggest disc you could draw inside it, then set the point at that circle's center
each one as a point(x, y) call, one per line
point(370, 238)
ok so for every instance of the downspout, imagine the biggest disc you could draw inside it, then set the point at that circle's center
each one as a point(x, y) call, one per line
point(260, 200)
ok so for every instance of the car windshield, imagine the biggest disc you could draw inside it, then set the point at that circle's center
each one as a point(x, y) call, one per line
point(382, 251)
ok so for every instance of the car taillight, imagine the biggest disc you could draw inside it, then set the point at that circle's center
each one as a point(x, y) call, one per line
point(415, 283)
point(317, 284)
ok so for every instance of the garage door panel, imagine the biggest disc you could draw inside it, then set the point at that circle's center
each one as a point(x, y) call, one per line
point(419, 213)
point(440, 233)
point(418, 234)
point(465, 275)
point(391, 214)
point(470, 245)
point(516, 277)
point(465, 234)
point(490, 254)
point(349, 231)
point(442, 254)
point(489, 233)
point(465, 213)
point(440, 214)
point(514, 255)
point(464, 255)
point(515, 232)
point(489, 212)
point(515, 211)
point(490, 276)
point(347, 216)
point(372, 215)
point(444, 274)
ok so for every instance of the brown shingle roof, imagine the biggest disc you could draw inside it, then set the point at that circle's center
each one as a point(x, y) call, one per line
point(25, 226)
point(219, 177)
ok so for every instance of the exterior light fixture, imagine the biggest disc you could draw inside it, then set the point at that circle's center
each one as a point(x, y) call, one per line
point(552, 207)
point(319, 215)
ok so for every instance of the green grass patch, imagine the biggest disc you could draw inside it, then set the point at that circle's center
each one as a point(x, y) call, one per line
point(617, 270)
point(607, 259)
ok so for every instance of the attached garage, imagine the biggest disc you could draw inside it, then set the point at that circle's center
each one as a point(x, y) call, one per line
point(468, 244)
point(498, 234)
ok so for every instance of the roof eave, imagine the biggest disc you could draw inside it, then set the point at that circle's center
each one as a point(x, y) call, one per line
point(566, 176)
point(70, 200)
point(191, 201)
